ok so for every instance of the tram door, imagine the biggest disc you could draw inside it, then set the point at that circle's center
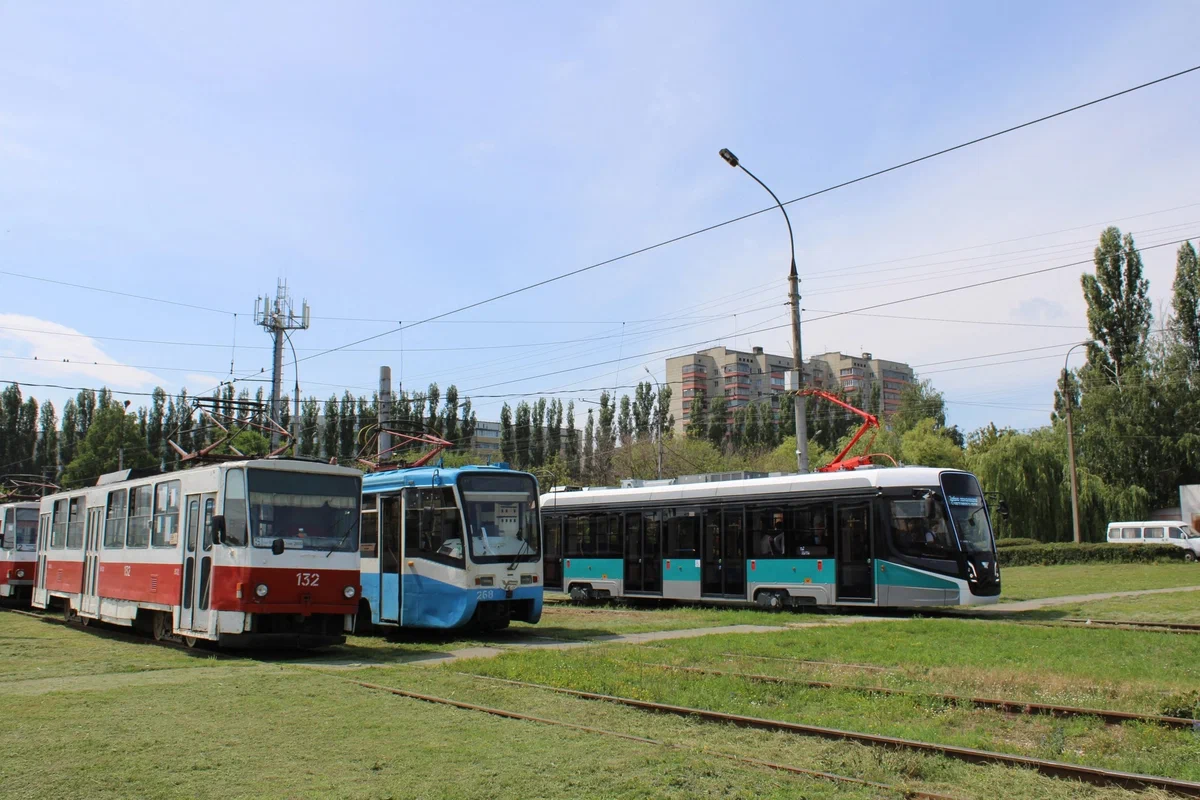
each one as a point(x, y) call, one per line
point(43, 545)
point(90, 598)
point(723, 567)
point(643, 554)
point(197, 562)
point(855, 568)
point(391, 583)
point(552, 560)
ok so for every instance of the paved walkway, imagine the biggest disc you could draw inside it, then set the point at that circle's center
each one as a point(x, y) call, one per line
point(1071, 599)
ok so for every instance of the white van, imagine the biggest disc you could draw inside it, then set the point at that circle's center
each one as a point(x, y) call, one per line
point(1159, 532)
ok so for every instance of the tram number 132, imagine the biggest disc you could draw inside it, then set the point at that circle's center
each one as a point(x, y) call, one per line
point(308, 578)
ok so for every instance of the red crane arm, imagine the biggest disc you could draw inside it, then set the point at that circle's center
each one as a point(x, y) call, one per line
point(870, 421)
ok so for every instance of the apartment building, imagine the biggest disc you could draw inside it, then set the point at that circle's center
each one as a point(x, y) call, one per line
point(856, 373)
point(758, 377)
point(486, 438)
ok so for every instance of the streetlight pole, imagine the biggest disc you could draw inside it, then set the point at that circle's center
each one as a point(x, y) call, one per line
point(657, 400)
point(1071, 445)
point(794, 299)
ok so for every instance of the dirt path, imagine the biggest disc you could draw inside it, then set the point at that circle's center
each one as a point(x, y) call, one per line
point(1071, 599)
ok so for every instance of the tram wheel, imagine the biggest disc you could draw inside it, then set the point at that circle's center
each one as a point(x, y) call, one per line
point(69, 615)
point(161, 629)
point(770, 601)
point(192, 642)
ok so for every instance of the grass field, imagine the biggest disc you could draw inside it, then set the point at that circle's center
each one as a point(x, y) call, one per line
point(1028, 583)
point(124, 718)
point(1172, 607)
point(204, 727)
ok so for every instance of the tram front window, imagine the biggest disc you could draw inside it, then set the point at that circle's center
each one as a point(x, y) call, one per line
point(27, 524)
point(305, 510)
point(969, 512)
point(502, 517)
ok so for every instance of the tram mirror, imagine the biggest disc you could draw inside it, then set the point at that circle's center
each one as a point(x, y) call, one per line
point(1002, 509)
point(218, 529)
point(277, 547)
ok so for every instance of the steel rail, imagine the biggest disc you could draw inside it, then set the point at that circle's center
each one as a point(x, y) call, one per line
point(869, 667)
point(1056, 769)
point(499, 712)
point(1012, 706)
point(1184, 627)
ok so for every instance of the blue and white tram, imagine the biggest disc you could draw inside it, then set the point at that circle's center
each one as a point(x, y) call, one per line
point(905, 536)
point(444, 547)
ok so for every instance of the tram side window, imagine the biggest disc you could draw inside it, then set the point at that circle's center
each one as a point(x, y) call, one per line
point(236, 518)
point(369, 542)
point(140, 502)
point(920, 532)
point(580, 542)
point(9, 536)
point(58, 533)
point(432, 528)
point(790, 532)
point(114, 520)
point(75, 524)
point(166, 514)
point(683, 534)
point(606, 531)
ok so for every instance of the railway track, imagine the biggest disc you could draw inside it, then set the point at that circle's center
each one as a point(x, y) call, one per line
point(1056, 769)
point(1183, 627)
point(838, 664)
point(1010, 706)
point(788, 768)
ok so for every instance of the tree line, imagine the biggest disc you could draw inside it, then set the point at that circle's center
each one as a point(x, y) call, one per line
point(99, 434)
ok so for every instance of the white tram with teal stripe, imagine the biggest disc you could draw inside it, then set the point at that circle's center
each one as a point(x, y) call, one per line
point(904, 537)
point(444, 547)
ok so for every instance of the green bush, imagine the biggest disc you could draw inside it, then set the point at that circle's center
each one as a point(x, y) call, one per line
point(1092, 553)
point(1016, 541)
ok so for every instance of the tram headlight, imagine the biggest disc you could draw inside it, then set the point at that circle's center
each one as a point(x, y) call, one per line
point(260, 590)
point(20, 573)
point(348, 592)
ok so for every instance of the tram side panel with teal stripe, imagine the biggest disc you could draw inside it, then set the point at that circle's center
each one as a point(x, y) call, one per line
point(899, 585)
point(602, 574)
point(681, 578)
point(800, 577)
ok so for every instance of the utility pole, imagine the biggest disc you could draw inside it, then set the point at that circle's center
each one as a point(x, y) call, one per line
point(794, 298)
point(385, 410)
point(1067, 392)
point(277, 317)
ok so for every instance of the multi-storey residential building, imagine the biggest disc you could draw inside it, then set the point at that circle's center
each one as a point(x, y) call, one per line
point(858, 373)
point(757, 377)
point(487, 437)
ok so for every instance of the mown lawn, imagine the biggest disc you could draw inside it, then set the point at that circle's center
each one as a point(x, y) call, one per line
point(1104, 669)
point(1169, 607)
point(1028, 583)
point(123, 719)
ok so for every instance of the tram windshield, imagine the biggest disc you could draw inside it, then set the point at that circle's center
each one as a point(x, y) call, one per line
point(307, 511)
point(501, 517)
point(20, 529)
point(969, 512)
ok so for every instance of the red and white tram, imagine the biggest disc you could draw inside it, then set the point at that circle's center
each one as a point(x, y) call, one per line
point(245, 553)
point(18, 543)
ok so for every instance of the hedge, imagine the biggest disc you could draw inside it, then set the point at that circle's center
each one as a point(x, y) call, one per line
point(1097, 553)
point(1015, 541)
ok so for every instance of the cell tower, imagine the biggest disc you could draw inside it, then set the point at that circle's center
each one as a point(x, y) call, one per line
point(277, 317)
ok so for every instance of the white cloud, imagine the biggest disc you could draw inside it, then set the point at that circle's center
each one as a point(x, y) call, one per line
point(63, 354)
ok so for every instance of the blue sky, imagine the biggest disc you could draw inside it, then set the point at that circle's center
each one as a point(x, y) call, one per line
point(394, 161)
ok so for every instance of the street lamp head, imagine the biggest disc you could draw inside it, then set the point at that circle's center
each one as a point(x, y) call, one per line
point(729, 156)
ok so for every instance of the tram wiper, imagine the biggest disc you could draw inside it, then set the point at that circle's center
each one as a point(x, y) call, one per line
point(520, 552)
point(345, 536)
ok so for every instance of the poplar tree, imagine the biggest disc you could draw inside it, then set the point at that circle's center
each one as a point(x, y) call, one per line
point(309, 415)
point(589, 446)
point(625, 422)
point(663, 421)
point(574, 462)
point(605, 439)
point(1185, 302)
point(718, 424)
point(1118, 306)
point(554, 442)
point(450, 429)
point(45, 459)
point(434, 396)
point(643, 410)
point(347, 447)
point(522, 434)
point(537, 431)
point(508, 445)
point(698, 417)
point(70, 432)
point(330, 435)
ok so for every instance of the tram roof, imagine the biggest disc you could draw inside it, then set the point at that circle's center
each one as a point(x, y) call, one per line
point(882, 478)
point(396, 479)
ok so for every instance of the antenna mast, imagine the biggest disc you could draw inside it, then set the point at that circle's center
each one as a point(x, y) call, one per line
point(276, 317)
